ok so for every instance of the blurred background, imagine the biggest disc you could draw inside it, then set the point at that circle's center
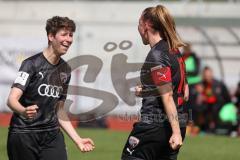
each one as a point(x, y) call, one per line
point(107, 33)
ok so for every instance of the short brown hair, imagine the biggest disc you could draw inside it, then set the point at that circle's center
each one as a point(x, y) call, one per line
point(56, 23)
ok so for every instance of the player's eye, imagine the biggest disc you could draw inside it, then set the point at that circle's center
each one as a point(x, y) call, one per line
point(64, 34)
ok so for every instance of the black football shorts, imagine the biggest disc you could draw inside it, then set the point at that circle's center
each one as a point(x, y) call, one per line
point(150, 142)
point(36, 146)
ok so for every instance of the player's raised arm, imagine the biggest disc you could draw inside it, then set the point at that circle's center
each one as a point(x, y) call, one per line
point(13, 103)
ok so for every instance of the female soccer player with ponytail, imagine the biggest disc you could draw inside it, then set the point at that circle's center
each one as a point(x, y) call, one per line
point(160, 132)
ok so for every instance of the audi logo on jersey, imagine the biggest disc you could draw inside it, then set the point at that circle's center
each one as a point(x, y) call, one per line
point(49, 90)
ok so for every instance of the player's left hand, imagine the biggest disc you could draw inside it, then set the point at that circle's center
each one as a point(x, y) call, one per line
point(85, 145)
point(186, 93)
point(175, 141)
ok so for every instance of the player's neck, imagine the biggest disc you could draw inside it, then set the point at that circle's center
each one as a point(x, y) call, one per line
point(154, 39)
point(51, 56)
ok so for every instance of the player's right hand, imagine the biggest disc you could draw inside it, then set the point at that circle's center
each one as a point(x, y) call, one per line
point(30, 112)
point(138, 90)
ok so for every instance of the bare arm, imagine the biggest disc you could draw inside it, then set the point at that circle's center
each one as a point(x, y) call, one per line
point(84, 144)
point(186, 93)
point(15, 106)
point(171, 111)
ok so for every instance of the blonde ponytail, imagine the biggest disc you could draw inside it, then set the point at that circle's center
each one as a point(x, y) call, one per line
point(163, 22)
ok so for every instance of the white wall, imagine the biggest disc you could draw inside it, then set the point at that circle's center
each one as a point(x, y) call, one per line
point(22, 34)
point(110, 11)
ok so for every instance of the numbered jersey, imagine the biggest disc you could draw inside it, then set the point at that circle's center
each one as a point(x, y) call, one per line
point(161, 73)
point(43, 84)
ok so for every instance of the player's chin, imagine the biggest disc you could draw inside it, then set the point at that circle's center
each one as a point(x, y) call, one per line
point(145, 42)
point(62, 52)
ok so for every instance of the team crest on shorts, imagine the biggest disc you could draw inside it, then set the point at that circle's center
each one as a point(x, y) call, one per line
point(133, 141)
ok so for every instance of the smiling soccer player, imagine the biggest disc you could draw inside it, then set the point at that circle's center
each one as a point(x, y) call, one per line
point(37, 99)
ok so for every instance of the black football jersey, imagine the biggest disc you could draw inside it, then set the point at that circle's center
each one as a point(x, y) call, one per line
point(43, 84)
point(162, 72)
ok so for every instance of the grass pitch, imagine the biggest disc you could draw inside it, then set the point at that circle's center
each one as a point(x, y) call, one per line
point(109, 146)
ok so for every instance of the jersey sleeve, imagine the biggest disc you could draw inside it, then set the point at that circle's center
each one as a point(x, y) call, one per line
point(161, 72)
point(24, 75)
point(161, 69)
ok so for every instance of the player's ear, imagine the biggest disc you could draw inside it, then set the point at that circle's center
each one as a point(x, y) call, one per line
point(50, 37)
point(147, 25)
